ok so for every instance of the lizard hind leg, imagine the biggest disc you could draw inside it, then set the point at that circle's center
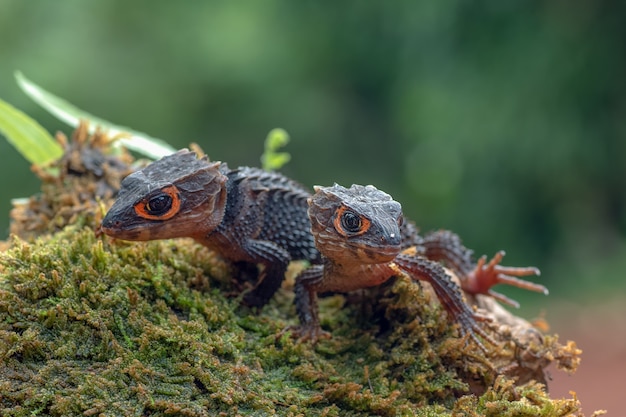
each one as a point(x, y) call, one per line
point(487, 274)
point(446, 247)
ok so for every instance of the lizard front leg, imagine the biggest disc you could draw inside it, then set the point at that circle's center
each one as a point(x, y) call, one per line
point(447, 291)
point(275, 261)
point(306, 305)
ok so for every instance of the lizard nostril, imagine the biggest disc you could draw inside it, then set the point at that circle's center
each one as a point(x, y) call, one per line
point(111, 224)
point(391, 239)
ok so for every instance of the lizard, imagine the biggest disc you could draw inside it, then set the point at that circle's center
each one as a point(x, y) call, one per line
point(364, 241)
point(247, 215)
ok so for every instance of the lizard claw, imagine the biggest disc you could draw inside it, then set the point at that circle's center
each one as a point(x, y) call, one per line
point(469, 327)
point(486, 275)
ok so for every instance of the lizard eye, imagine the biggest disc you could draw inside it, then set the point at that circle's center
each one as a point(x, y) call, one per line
point(162, 206)
point(350, 222)
point(159, 204)
point(400, 221)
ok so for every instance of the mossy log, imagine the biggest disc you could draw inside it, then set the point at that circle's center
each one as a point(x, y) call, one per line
point(90, 326)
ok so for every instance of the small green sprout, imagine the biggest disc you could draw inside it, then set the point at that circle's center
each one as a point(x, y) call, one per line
point(272, 160)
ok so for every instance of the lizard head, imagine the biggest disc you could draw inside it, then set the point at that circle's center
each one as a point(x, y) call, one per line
point(176, 196)
point(360, 223)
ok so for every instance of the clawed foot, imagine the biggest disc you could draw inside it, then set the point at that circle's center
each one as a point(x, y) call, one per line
point(469, 327)
point(487, 275)
point(304, 333)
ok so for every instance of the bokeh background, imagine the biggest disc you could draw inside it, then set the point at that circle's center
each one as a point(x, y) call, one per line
point(501, 120)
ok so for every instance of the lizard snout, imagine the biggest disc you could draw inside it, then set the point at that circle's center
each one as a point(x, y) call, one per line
point(391, 239)
point(109, 226)
point(389, 234)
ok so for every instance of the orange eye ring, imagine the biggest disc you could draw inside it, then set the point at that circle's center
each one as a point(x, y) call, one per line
point(348, 223)
point(162, 206)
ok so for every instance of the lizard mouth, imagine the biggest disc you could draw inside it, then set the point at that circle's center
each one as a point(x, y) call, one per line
point(379, 254)
point(385, 248)
point(116, 229)
point(133, 235)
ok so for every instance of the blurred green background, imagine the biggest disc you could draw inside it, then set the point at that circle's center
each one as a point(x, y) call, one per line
point(502, 121)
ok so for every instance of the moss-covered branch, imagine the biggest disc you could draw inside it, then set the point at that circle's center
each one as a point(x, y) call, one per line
point(90, 326)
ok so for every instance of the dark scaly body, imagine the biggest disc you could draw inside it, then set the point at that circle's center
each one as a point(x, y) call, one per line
point(245, 214)
point(364, 242)
point(256, 217)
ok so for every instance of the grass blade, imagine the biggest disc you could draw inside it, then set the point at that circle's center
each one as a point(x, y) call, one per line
point(27, 136)
point(70, 114)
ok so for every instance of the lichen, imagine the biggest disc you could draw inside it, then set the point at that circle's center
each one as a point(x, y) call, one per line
point(92, 326)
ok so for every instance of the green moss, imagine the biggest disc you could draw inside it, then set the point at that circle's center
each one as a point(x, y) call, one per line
point(94, 327)
point(89, 326)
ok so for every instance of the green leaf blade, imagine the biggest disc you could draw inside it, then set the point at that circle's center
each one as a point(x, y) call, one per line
point(30, 139)
point(72, 115)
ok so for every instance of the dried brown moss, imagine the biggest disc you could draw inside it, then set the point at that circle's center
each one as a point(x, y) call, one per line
point(72, 187)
